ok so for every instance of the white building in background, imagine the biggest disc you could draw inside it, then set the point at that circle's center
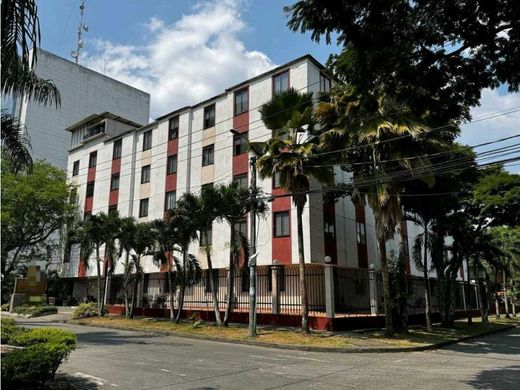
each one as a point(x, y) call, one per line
point(141, 171)
point(83, 92)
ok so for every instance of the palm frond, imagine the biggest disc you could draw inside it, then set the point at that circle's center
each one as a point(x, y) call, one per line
point(15, 144)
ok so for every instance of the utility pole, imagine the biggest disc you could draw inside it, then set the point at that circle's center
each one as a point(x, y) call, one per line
point(252, 259)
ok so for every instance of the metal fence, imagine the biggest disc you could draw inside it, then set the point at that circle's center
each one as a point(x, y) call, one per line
point(351, 291)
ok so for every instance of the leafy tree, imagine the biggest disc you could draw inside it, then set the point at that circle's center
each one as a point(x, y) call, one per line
point(290, 155)
point(33, 207)
point(435, 55)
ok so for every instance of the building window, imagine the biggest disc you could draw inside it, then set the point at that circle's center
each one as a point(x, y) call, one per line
point(361, 233)
point(276, 180)
point(215, 278)
point(325, 83)
point(171, 166)
point(90, 190)
point(92, 160)
point(145, 174)
point(241, 227)
point(239, 144)
point(281, 82)
point(209, 116)
point(73, 196)
point(241, 180)
point(207, 155)
point(114, 182)
point(75, 168)
point(281, 224)
point(143, 208)
point(112, 209)
point(205, 187)
point(173, 127)
point(241, 101)
point(118, 148)
point(328, 226)
point(147, 140)
point(169, 200)
point(206, 237)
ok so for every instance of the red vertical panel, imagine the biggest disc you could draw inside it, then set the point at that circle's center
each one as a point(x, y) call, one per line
point(91, 175)
point(113, 197)
point(88, 204)
point(240, 164)
point(171, 182)
point(281, 246)
point(173, 146)
point(116, 165)
point(82, 269)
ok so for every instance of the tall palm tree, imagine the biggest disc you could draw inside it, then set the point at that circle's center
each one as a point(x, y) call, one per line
point(204, 209)
point(20, 32)
point(15, 144)
point(126, 237)
point(357, 131)
point(234, 203)
point(423, 245)
point(290, 155)
point(141, 244)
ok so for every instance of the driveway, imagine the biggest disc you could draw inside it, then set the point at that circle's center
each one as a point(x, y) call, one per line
point(129, 360)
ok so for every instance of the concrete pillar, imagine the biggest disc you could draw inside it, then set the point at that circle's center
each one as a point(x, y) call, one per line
point(330, 308)
point(374, 297)
point(275, 288)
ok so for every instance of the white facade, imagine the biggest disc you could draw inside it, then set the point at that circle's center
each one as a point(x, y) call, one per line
point(83, 92)
point(304, 75)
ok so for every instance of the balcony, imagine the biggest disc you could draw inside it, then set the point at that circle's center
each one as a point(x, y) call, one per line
point(94, 130)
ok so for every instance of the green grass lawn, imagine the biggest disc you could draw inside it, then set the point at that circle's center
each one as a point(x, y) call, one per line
point(416, 337)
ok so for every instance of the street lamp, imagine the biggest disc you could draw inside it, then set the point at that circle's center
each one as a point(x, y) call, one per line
point(252, 259)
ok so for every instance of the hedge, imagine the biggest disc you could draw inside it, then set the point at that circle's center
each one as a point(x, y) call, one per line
point(85, 310)
point(34, 365)
point(35, 311)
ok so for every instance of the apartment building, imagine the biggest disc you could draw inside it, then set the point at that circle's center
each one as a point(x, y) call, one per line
point(142, 170)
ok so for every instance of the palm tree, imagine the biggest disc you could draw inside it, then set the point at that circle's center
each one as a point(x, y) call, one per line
point(290, 155)
point(423, 245)
point(21, 34)
point(15, 144)
point(357, 132)
point(234, 203)
point(140, 244)
point(204, 209)
point(127, 233)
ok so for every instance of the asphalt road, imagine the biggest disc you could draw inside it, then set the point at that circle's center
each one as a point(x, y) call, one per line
point(129, 360)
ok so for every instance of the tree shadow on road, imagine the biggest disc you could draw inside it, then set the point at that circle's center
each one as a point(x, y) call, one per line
point(71, 382)
point(507, 343)
point(497, 378)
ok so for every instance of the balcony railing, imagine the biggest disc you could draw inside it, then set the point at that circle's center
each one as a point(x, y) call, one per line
point(94, 130)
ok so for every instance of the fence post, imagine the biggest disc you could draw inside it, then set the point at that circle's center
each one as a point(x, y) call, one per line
point(464, 302)
point(275, 288)
point(328, 271)
point(374, 299)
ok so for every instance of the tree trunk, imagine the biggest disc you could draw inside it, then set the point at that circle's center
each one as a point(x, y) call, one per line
point(230, 288)
point(212, 285)
point(126, 283)
point(497, 298)
point(301, 262)
point(427, 295)
point(182, 287)
point(468, 294)
point(403, 296)
point(506, 302)
point(171, 291)
point(133, 296)
point(99, 295)
point(389, 325)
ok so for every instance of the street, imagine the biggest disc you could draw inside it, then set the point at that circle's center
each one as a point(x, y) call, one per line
point(129, 360)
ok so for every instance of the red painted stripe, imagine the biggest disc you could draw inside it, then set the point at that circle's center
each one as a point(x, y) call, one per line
point(116, 165)
point(91, 175)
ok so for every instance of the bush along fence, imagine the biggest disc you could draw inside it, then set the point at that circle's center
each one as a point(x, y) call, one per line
point(339, 298)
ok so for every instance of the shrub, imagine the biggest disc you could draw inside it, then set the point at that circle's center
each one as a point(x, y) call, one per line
point(44, 350)
point(85, 310)
point(6, 321)
point(28, 368)
point(35, 311)
point(9, 330)
point(5, 307)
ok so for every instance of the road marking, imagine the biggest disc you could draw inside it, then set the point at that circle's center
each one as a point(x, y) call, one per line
point(265, 357)
point(172, 372)
point(95, 379)
point(305, 358)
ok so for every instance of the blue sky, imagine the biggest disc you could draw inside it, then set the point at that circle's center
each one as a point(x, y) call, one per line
point(182, 52)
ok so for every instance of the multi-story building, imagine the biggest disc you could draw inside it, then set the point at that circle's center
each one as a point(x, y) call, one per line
point(83, 92)
point(141, 171)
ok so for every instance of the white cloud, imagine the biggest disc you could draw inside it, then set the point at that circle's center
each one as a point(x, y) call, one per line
point(184, 61)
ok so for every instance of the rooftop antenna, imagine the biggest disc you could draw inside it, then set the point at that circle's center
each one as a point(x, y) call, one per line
point(81, 27)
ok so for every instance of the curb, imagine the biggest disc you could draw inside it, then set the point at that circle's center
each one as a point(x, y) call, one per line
point(301, 347)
